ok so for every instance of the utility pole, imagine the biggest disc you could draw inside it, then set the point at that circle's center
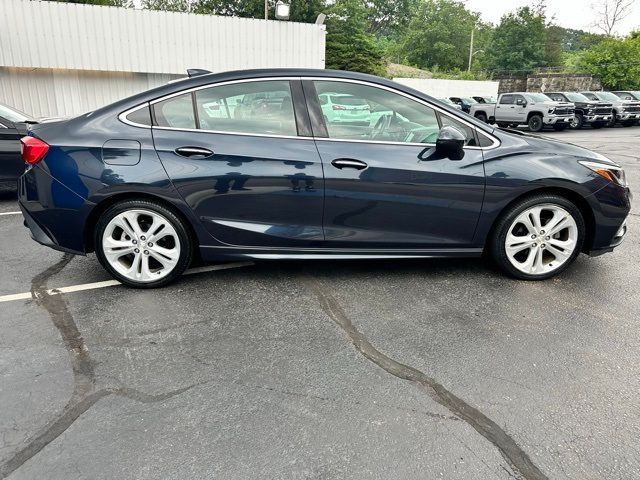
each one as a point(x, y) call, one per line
point(471, 48)
point(266, 9)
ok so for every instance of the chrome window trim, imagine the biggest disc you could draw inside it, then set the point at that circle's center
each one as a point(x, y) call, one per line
point(3, 125)
point(495, 142)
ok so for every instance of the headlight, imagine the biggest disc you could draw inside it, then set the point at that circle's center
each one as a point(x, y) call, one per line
point(610, 172)
point(551, 110)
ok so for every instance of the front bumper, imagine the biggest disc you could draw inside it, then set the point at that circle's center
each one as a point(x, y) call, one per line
point(629, 116)
point(598, 118)
point(556, 119)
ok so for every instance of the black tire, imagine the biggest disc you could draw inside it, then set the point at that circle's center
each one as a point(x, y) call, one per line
point(597, 125)
point(482, 117)
point(503, 125)
point(614, 119)
point(496, 242)
point(577, 123)
point(182, 231)
point(559, 127)
point(535, 123)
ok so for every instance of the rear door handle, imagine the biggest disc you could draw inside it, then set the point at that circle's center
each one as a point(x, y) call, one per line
point(194, 152)
point(348, 163)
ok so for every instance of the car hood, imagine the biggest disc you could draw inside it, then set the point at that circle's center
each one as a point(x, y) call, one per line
point(543, 144)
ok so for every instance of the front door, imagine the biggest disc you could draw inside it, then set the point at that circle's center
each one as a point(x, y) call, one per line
point(235, 155)
point(385, 186)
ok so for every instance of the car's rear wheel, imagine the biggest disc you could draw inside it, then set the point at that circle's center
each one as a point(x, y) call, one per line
point(538, 237)
point(142, 243)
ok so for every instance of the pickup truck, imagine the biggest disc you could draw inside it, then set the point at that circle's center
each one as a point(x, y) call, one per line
point(594, 112)
point(534, 109)
point(627, 112)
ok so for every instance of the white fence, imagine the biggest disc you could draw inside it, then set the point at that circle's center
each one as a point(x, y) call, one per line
point(441, 88)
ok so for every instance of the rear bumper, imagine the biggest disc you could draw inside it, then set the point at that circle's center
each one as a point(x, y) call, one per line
point(54, 214)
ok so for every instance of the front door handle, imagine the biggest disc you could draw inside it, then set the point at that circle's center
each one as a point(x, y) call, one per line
point(194, 152)
point(349, 163)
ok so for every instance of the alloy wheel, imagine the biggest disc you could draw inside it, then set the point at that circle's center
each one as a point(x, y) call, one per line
point(141, 245)
point(541, 239)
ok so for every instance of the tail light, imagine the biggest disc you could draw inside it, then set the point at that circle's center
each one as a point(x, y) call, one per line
point(33, 149)
point(339, 107)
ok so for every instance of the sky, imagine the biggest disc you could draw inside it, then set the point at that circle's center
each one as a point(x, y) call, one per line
point(576, 14)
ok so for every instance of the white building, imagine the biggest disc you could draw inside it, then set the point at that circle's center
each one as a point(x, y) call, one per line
point(441, 88)
point(63, 59)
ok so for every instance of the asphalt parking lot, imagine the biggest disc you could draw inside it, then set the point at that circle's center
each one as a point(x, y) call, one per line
point(309, 370)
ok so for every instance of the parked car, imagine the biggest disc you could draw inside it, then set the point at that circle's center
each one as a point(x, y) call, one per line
point(339, 108)
point(595, 113)
point(627, 112)
point(464, 102)
point(13, 126)
point(143, 184)
point(484, 99)
point(628, 95)
point(450, 103)
point(533, 109)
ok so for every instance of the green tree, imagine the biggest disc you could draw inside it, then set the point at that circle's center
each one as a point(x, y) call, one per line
point(349, 46)
point(301, 10)
point(518, 42)
point(615, 61)
point(439, 35)
point(110, 3)
point(167, 5)
point(389, 18)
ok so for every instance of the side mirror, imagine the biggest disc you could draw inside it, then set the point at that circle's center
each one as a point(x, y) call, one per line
point(450, 143)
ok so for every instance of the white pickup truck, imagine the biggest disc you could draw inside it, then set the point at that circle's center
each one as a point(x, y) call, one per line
point(533, 109)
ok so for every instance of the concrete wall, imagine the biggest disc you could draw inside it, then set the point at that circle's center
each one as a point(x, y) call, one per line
point(440, 88)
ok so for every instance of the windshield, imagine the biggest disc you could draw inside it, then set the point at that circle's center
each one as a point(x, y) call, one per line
point(576, 97)
point(537, 97)
point(14, 115)
point(607, 96)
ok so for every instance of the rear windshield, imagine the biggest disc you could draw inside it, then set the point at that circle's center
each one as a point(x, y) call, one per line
point(347, 100)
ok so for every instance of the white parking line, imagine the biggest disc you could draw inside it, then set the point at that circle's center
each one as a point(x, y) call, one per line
point(112, 283)
point(10, 213)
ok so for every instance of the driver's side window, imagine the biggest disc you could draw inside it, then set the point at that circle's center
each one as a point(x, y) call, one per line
point(362, 112)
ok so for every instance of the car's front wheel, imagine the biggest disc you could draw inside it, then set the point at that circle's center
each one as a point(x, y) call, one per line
point(538, 237)
point(142, 243)
point(535, 123)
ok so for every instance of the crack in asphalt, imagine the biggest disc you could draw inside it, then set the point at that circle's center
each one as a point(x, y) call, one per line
point(511, 452)
point(84, 395)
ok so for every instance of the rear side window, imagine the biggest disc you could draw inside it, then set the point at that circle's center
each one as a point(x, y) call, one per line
point(263, 107)
point(141, 116)
point(506, 100)
point(175, 112)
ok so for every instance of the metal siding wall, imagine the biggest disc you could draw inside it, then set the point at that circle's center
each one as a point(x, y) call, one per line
point(90, 37)
point(66, 93)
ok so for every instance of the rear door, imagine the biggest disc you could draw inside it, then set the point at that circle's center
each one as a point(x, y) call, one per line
point(386, 188)
point(242, 157)
point(11, 164)
point(505, 109)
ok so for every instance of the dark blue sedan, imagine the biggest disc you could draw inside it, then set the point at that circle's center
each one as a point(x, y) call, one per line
point(257, 164)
